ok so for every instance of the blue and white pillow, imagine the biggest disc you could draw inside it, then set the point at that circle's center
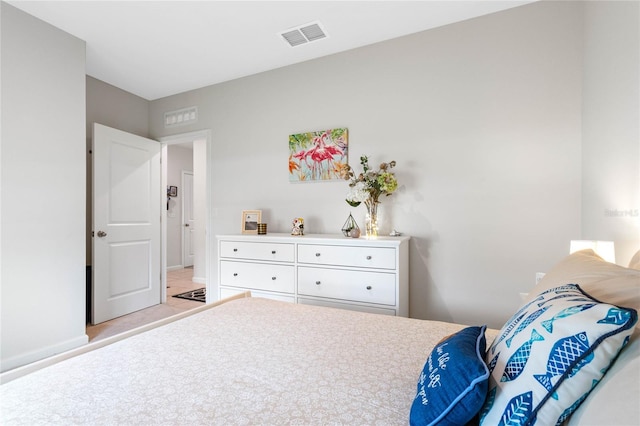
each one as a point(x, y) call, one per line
point(453, 383)
point(550, 354)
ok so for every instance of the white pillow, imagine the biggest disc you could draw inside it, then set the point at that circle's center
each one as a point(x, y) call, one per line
point(615, 400)
point(634, 263)
point(607, 282)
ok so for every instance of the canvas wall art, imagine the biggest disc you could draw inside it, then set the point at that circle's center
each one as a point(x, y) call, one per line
point(318, 156)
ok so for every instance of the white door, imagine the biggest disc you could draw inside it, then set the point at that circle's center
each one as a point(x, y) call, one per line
point(187, 218)
point(126, 223)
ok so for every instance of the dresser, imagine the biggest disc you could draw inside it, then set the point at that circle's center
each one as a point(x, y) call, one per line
point(370, 275)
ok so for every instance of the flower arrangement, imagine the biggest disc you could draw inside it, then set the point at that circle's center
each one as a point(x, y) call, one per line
point(370, 184)
point(367, 187)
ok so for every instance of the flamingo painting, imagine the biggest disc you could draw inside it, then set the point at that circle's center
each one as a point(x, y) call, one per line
point(319, 155)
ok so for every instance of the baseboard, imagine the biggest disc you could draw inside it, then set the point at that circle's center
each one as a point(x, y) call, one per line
point(17, 372)
point(42, 353)
point(174, 268)
point(199, 280)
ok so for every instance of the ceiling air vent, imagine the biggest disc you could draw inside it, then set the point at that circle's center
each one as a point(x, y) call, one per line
point(304, 34)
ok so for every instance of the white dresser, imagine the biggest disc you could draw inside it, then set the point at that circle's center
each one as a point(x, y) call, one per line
point(318, 269)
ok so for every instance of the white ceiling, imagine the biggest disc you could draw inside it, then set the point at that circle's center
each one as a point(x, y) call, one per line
point(159, 48)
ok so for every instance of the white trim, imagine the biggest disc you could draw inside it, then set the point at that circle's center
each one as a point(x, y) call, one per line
point(174, 268)
point(10, 375)
point(34, 357)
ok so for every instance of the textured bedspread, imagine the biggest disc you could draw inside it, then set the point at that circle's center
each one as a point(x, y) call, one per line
point(249, 361)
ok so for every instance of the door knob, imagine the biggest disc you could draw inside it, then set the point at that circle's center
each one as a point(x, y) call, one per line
point(102, 234)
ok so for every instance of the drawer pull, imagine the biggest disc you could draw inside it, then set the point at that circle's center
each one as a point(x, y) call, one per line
point(235, 274)
point(317, 282)
point(317, 254)
point(273, 278)
point(273, 252)
point(368, 287)
point(368, 257)
point(235, 249)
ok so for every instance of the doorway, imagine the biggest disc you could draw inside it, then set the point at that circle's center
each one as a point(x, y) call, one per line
point(204, 151)
point(196, 236)
point(179, 206)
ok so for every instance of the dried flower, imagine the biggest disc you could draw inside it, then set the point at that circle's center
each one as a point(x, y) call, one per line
point(369, 183)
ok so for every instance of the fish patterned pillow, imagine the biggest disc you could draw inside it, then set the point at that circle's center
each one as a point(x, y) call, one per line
point(550, 354)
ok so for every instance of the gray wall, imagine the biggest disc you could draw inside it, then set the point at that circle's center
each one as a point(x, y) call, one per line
point(43, 190)
point(113, 107)
point(611, 121)
point(484, 119)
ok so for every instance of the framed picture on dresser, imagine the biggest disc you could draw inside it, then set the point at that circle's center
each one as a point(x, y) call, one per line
point(250, 221)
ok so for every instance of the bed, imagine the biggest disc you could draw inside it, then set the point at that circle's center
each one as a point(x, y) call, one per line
point(256, 361)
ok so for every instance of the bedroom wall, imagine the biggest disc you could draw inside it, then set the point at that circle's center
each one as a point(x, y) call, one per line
point(113, 107)
point(43, 190)
point(484, 120)
point(611, 120)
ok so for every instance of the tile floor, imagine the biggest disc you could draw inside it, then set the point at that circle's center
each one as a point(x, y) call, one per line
point(178, 281)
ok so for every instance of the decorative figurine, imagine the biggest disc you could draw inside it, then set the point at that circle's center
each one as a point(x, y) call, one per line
point(298, 226)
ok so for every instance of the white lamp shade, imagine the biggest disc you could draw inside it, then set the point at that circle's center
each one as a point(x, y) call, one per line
point(604, 249)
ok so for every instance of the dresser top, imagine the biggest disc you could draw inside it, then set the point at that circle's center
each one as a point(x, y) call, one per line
point(315, 239)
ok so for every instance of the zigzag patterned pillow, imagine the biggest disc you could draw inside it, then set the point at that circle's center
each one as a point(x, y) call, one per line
point(550, 354)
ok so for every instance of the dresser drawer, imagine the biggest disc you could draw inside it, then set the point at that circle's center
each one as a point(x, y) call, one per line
point(330, 303)
point(359, 286)
point(278, 252)
point(228, 292)
point(358, 256)
point(258, 276)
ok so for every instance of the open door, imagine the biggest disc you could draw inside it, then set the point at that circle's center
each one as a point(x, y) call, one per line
point(189, 229)
point(127, 200)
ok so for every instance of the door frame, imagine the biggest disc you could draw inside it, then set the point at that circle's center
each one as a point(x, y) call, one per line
point(180, 139)
point(184, 219)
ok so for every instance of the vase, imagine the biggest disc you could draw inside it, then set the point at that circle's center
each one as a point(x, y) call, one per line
point(371, 221)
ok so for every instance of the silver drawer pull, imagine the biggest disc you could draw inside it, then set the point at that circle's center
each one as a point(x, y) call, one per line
point(368, 287)
point(235, 274)
point(368, 257)
point(273, 278)
point(317, 282)
point(273, 252)
point(317, 254)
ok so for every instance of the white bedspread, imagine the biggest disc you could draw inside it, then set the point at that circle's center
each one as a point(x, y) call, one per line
point(249, 361)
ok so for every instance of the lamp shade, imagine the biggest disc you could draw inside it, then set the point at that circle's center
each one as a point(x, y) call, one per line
point(604, 249)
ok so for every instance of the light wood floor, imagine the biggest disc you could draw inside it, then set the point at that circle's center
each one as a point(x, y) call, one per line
point(178, 281)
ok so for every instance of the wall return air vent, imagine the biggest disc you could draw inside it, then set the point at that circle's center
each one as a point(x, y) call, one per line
point(181, 117)
point(304, 34)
